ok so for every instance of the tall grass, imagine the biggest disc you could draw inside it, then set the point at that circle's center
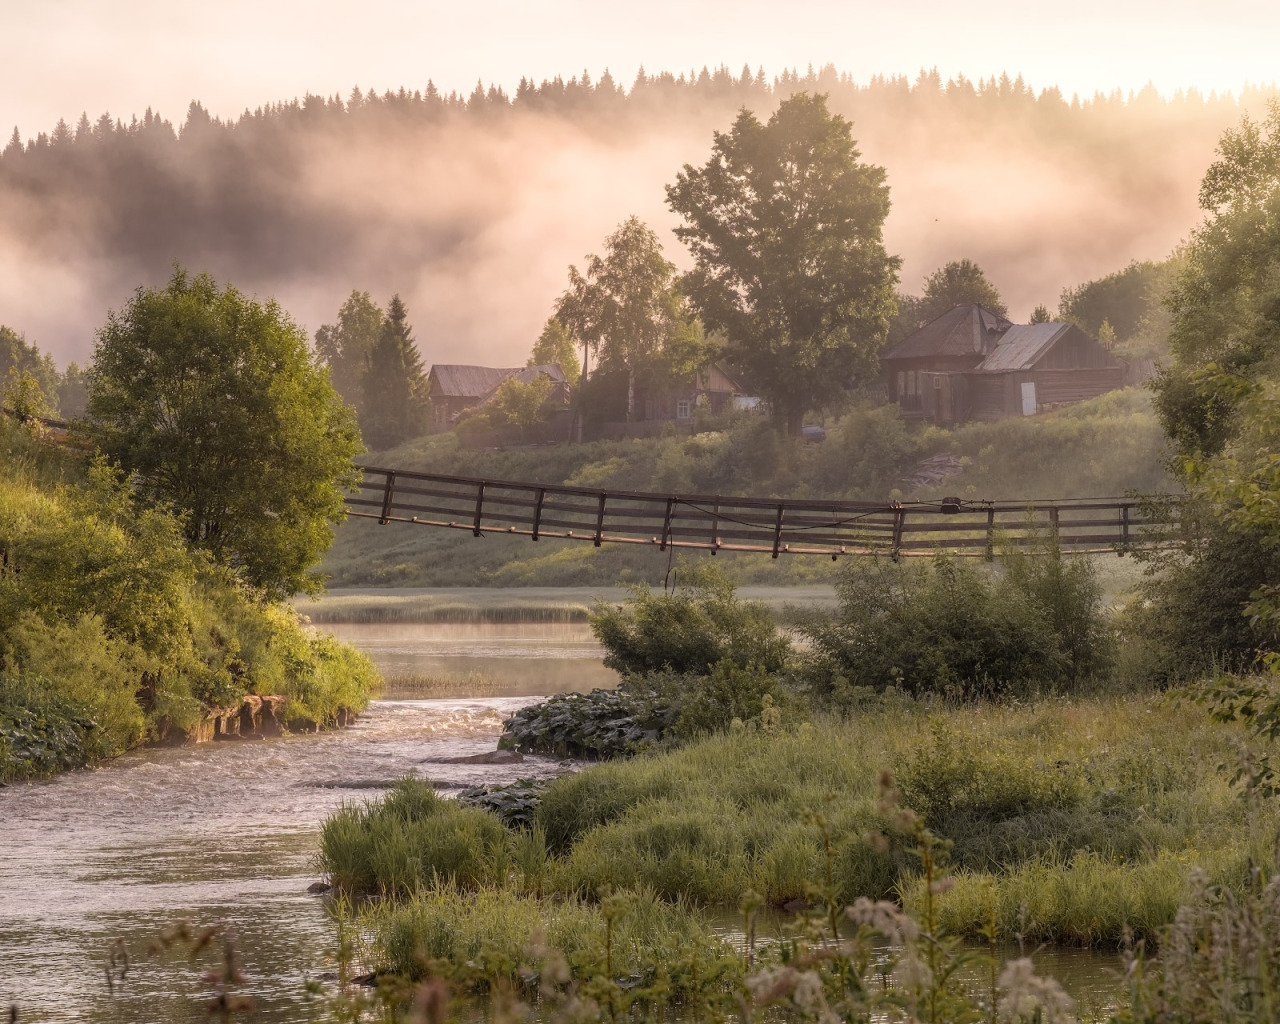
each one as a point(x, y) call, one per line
point(495, 933)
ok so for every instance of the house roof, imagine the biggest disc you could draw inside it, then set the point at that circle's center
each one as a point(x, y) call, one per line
point(526, 375)
point(963, 330)
point(1022, 346)
point(454, 381)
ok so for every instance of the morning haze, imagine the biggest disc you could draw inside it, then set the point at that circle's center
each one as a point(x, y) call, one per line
point(777, 527)
point(471, 205)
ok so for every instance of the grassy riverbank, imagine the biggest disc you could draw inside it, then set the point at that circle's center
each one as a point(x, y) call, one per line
point(1071, 820)
point(114, 632)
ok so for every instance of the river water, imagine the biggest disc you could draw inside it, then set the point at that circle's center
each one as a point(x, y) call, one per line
point(228, 832)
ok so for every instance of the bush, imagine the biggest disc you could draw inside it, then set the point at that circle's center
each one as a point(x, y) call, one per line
point(409, 839)
point(1191, 614)
point(41, 733)
point(952, 779)
point(700, 623)
point(105, 611)
point(947, 627)
point(712, 703)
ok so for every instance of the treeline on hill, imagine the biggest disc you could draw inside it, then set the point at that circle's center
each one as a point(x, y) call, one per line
point(268, 197)
point(143, 557)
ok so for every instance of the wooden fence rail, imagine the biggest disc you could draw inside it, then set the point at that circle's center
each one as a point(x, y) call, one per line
point(777, 526)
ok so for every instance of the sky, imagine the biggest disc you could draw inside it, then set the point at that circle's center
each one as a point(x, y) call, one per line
point(62, 57)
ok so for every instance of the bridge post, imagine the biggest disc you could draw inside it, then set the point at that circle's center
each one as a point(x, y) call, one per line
point(475, 530)
point(600, 520)
point(388, 498)
point(537, 512)
point(666, 525)
point(777, 530)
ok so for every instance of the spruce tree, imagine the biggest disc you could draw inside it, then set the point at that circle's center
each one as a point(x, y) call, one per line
point(394, 386)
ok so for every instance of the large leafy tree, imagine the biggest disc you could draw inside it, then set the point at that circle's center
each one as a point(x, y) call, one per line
point(956, 283)
point(214, 402)
point(347, 346)
point(555, 345)
point(1220, 405)
point(784, 224)
point(626, 308)
point(951, 285)
point(395, 399)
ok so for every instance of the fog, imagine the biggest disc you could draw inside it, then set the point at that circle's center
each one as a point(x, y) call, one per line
point(473, 212)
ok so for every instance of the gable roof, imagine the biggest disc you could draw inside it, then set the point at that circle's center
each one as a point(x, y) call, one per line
point(1022, 346)
point(526, 375)
point(964, 330)
point(455, 381)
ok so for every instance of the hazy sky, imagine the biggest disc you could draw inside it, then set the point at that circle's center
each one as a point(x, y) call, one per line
point(61, 57)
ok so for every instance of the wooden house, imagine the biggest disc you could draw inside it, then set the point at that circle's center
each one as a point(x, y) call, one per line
point(971, 363)
point(453, 389)
point(714, 386)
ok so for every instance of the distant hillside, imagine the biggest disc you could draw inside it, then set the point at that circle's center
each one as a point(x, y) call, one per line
point(472, 207)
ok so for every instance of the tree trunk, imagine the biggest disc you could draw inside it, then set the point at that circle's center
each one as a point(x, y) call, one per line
point(631, 395)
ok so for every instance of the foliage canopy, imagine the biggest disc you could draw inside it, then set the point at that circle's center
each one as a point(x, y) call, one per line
point(214, 402)
point(784, 224)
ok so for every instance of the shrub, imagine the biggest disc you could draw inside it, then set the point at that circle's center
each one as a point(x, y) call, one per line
point(947, 627)
point(712, 703)
point(954, 779)
point(700, 623)
point(41, 733)
point(411, 838)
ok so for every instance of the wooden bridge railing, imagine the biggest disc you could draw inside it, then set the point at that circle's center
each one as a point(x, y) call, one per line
point(777, 526)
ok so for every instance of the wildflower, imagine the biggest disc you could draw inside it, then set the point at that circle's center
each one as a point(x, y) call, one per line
point(1024, 996)
point(885, 918)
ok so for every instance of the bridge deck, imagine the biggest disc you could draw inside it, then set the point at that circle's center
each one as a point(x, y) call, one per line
point(777, 526)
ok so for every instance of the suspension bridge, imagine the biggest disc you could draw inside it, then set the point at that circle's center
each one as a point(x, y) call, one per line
point(777, 526)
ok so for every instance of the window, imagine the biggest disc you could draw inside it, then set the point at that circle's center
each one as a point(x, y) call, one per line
point(684, 409)
point(911, 382)
point(902, 383)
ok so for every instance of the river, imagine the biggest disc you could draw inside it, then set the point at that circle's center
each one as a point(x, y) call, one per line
point(228, 833)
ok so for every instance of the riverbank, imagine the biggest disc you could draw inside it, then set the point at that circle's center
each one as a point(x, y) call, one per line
point(114, 632)
point(427, 605)
point(1070, 821)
